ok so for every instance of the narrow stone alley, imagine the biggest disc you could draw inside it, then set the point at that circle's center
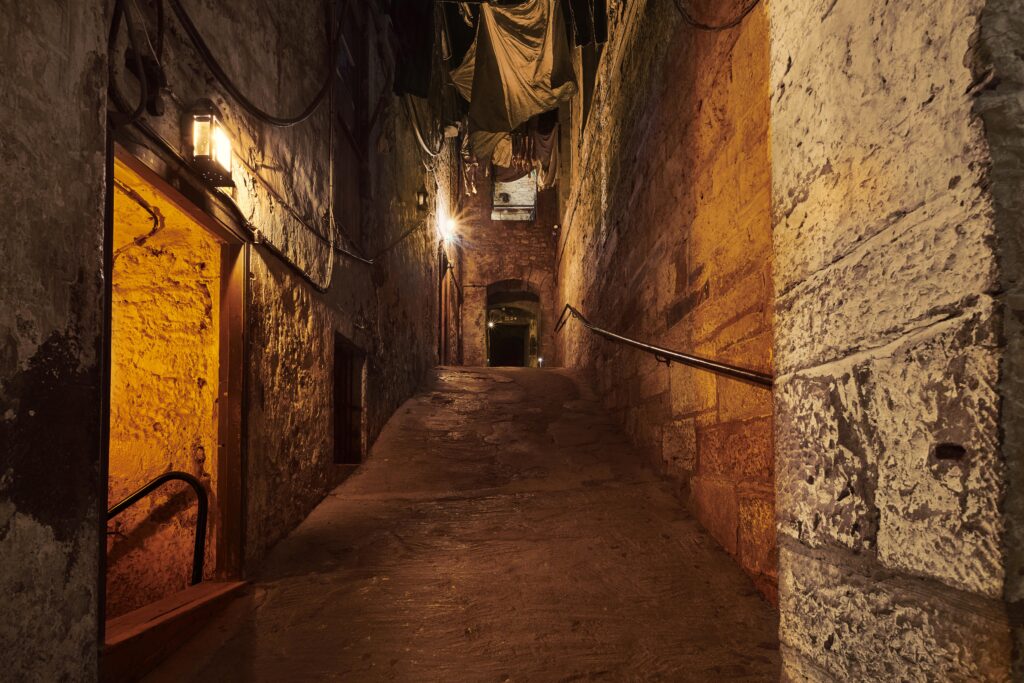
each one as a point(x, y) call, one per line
point(501, 530)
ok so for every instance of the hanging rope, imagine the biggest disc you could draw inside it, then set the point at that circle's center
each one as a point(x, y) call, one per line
point(689, 19)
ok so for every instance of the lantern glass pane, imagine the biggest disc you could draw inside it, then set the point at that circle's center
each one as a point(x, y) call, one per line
point(201, 142)
point(221, 147)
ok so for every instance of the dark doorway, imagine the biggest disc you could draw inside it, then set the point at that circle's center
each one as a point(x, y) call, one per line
point(508, 345)
point(348, 402)
point(513, 327)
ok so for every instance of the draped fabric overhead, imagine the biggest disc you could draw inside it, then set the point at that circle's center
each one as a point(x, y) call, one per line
point(518, 66)
point(531, 147)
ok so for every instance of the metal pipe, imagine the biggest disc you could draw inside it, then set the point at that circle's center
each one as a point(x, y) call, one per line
point(667, 356)
point(199, 552)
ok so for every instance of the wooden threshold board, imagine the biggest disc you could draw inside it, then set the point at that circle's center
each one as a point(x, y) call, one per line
point(139, 640)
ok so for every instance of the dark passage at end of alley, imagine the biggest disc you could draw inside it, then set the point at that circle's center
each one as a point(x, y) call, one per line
point(501, 530)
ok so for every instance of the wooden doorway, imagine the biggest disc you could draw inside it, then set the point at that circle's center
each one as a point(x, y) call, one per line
point(348, 402)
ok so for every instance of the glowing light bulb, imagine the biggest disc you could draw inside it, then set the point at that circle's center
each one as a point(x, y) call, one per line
point(448, 230)
point(210, 143)
point(222, 148)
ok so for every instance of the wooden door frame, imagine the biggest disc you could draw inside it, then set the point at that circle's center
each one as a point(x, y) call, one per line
point(232, 366)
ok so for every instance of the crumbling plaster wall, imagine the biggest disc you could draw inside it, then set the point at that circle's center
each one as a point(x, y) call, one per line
point(667, 239)
point(52, 99)
point(505, 250)
point(892, 469)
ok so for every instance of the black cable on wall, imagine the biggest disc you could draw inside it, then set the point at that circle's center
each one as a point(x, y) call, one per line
point(229, 85)
point(125, 115)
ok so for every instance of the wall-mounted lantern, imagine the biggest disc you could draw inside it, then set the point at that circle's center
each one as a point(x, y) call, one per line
point(422, 198)
point(208, 143)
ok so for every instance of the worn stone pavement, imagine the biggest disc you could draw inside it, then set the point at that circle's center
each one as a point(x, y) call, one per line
point(501, 530)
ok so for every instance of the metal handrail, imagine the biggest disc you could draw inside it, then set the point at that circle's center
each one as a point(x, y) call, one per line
point(458, 285)
point(667, 356)
point(199, 552)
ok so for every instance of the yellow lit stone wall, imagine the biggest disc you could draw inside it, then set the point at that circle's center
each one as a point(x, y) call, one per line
point(667, 238)
point(164, 380)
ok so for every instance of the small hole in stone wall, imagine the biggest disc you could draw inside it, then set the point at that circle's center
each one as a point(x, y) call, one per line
point(949, 452)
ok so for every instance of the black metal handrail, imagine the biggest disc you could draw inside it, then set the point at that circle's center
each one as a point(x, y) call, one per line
point(199, 553)
point(451, 271)
point(668, 356)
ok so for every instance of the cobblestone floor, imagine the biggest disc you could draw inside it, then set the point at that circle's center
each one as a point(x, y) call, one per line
point(501, 530)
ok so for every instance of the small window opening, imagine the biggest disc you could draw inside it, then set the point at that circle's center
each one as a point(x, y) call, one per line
point(515, 200)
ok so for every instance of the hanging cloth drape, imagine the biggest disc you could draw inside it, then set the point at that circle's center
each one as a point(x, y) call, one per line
point(532, 147)
point(518, 66)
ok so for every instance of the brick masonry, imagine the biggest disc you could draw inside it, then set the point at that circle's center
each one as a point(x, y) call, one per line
point(492, 251)
point(668, 239)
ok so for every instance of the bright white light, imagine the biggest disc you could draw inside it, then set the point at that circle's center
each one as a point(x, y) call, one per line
point(490, 324)
point(221, 147)
point(448, 230)
point(540, 362)
point(201, 135)
point(210, 142)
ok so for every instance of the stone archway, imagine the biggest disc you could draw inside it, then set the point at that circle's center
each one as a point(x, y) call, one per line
point(514, 320)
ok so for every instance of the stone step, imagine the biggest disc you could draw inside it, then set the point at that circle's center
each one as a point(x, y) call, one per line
point(137, 641)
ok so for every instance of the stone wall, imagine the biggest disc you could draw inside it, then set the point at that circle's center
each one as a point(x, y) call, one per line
point(493, 251)
point(51, 236)
point(284, 183)
point(889, 327)
point(53, 111)
point(667, 239)
point(1000, 104)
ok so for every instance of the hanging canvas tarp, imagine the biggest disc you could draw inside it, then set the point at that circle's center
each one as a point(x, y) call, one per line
point(518, 66)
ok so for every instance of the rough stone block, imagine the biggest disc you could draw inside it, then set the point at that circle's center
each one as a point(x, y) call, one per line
point(737, 450)
point(679, 447)
point(717, 509)
point(941, 475)
point(757, 533)
point(896, 451)
point(916, 273)
point(692, 390)
point(858, 623)
point(826, 453)
point(842, 172)
point(742, 401)
point(736, 309)
point(654, 381)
